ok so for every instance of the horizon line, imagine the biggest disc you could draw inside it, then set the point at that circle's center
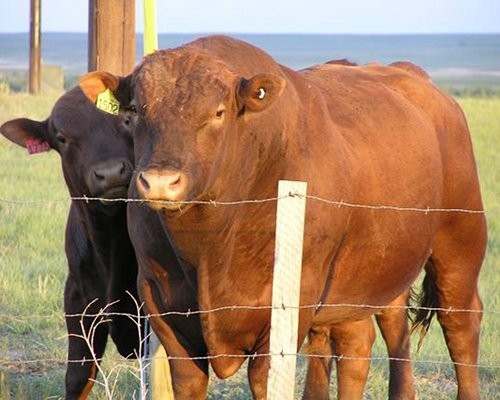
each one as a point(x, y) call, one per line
point(281, 33)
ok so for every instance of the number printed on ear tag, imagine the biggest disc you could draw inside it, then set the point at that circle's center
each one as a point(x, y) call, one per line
point(107, 102)
point(36, 145)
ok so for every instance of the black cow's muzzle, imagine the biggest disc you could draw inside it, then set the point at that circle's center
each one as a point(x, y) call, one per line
point(110, 179)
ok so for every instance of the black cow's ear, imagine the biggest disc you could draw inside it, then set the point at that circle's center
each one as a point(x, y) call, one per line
point(27, 133)
point(259, 92)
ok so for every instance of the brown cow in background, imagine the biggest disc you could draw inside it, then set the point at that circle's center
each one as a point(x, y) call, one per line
point(375, 135)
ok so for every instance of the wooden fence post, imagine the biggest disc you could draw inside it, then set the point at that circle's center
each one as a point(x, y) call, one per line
point(286, 289)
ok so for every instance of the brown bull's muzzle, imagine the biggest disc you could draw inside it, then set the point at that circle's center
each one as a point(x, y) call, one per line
point(163, 188)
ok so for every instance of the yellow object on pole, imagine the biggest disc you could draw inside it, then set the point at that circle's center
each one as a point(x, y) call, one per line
point(150, 35)
point(161, 382)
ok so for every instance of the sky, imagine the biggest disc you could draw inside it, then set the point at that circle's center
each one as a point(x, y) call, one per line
point(277, 16)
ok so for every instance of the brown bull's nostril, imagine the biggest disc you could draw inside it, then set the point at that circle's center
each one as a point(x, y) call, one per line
point(175, 181)
point(143, 182)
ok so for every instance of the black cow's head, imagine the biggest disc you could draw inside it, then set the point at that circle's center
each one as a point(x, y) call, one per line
point(96, 148)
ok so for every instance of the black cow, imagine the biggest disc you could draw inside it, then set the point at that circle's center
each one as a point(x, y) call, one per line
point(96, 152)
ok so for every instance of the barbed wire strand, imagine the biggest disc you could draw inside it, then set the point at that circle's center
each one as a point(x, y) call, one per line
point(252, 356)
point(283, 306)
point(317, 306)
point(338, 203)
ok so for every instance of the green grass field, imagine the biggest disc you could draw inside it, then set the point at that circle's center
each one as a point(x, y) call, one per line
point(33, 208)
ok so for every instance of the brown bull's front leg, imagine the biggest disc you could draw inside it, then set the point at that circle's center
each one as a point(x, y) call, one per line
point(189, 375)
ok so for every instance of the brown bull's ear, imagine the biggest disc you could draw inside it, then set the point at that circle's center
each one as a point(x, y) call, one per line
point(259, 92)
point(97, 82)
point(27, 133)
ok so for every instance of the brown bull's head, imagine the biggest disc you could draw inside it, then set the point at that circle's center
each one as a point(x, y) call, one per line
point(196, 134)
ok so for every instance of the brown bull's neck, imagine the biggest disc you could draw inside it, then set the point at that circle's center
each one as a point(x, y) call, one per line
point(215, 239)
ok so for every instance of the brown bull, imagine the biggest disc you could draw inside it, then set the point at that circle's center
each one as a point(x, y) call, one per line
point(376, 135)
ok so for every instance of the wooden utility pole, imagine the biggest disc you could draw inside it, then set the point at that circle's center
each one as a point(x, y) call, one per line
point(111, 36)
point(35, 53)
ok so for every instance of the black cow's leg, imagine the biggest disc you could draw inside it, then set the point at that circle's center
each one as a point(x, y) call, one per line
point(126, 326)
point(82, 354)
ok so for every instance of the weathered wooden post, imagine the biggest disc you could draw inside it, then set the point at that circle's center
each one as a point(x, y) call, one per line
point(35, 72)
point(111, 44)
point(290, 217)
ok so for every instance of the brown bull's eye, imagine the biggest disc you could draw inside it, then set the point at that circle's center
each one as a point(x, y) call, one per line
point(221, 110)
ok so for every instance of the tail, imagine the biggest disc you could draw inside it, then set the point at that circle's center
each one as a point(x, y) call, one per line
point(425, 304)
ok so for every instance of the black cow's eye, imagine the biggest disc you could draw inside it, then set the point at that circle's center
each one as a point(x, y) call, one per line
point(131, 109)
point(60, 138)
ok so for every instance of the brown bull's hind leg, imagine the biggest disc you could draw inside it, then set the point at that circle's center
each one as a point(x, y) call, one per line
point(457, 256)
point(319, 366)
point(393, 324)
point(352, 345)
point(461, 329)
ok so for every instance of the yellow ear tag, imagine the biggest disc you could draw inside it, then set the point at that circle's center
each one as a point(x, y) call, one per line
point(107, 102)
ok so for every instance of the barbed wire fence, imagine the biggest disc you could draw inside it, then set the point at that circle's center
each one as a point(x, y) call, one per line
point(146, 359)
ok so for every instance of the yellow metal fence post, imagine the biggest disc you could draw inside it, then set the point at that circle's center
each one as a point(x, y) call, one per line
point(150, 35)
point(161, 382)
